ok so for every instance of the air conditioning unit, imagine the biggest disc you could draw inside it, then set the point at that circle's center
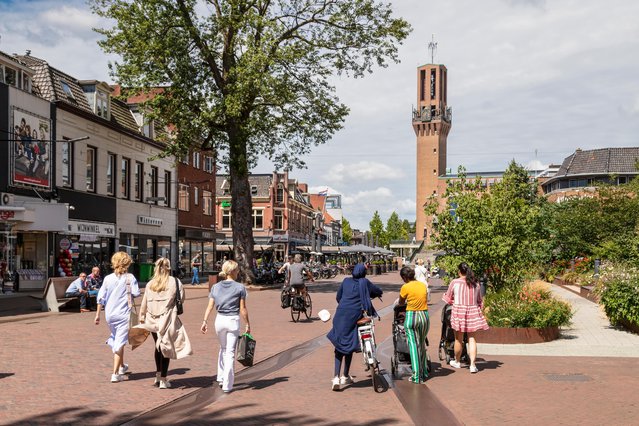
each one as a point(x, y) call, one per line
point(6, 199)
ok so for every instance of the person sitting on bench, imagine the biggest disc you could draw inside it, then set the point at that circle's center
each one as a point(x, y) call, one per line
point(80, 288)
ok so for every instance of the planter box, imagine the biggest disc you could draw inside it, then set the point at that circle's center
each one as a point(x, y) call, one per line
point(517, 335)
point(586, 291)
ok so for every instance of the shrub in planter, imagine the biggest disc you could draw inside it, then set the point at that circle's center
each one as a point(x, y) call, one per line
point(526, 306)
point(618, 290)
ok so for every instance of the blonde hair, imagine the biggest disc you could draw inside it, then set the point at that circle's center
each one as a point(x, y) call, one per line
point(420, 262)
point(229, 267)
point(120, 262)
point(161, 274)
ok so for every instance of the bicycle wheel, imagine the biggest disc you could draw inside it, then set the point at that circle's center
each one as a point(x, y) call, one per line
point(308, 304)
point(295, 313)
point(378, 381)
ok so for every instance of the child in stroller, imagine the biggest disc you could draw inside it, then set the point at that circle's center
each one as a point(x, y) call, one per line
point(447, 340)
point(401, 353)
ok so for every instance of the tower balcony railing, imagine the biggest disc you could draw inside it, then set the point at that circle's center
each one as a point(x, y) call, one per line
point(426, 114)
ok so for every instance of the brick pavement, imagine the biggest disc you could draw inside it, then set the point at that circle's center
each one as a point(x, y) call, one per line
point(55, 369)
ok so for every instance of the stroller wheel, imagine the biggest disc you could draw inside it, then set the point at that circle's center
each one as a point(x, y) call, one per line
point(447, 358)
point(442, 353)
point(394, 365)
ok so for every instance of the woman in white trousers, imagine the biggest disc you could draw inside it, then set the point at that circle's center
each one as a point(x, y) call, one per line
point(229, 299)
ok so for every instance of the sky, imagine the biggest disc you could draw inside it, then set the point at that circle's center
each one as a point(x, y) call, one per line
point(529, 80)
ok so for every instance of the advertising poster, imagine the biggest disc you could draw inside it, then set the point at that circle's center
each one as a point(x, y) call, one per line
point(31, 149)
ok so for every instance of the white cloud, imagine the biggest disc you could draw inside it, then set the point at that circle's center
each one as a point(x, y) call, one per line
point(363, 171)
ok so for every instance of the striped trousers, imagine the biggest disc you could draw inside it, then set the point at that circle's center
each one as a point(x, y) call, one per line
point(416, 325)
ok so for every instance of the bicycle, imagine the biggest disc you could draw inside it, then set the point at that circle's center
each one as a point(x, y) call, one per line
point(366, 333)
point(298, 303)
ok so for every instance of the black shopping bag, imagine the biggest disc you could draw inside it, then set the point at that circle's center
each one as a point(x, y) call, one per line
point(246, 350)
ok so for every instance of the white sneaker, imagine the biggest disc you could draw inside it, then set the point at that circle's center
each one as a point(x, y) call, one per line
point(346, 380)
point(473, 369)
point(115, 378)
point(156, 382)
point(165, 384)
point(123, 369)
point(335, 383)
point(455, 364)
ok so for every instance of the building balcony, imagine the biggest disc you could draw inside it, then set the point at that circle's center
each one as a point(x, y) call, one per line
point(427, 114)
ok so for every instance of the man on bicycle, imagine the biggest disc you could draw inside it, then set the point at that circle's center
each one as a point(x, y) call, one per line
point(296, 273)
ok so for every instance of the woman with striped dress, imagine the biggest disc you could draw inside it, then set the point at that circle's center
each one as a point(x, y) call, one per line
point(415, 295)
point(466, 317)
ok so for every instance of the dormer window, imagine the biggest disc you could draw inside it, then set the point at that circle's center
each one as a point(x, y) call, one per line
point(97, 95)
point(15, 77)
point(146, 125)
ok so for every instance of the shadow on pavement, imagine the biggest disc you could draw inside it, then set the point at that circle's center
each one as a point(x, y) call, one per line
point(74, 415)
point(261, 384)
point(5, 375)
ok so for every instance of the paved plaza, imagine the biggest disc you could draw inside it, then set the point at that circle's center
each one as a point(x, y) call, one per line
point(55, 368)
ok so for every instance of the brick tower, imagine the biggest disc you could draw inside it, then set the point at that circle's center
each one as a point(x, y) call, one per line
point(431, 122)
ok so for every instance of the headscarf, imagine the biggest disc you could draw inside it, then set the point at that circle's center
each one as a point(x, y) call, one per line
point(359, 275)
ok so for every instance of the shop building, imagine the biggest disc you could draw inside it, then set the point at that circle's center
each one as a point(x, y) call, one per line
point(30, 216)
point(196, 210)
point(119, 193)
point(282, 215)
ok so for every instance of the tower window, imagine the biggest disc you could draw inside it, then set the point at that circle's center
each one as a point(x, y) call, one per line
point(422, 85)
point(432, 84)
point(435, 172)
point(434, 150)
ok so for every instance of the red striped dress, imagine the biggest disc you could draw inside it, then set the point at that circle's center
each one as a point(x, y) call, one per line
point(467, 303)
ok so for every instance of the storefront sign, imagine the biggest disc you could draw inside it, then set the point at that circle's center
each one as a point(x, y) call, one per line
point(31, 148)
point(226, 204)
point(7, 214)
point(147, 220)
point(92, 228)
point(282, 238)
point(65, 244)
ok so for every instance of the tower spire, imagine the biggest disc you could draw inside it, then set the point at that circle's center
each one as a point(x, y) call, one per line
point(432, 48)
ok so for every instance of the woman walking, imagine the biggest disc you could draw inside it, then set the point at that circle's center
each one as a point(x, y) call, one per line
point(158, 314)
point(353, 298)
point(466, 317)
point(415, 295)
point(229, 299)
point(116, 296)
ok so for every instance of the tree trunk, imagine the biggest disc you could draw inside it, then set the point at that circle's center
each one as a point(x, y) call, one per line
point(241, 204)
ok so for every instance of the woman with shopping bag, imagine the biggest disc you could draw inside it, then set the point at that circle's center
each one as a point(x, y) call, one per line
point(229, 299)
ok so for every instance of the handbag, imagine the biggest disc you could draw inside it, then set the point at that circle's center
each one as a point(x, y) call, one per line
point(133, 312)
point(246, 350)
point(178, 300)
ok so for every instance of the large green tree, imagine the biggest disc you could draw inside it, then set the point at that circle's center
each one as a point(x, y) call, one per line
point(347, 231)
point(395, 229)
point(247, 78)
point(499, 232)
point(376, 227)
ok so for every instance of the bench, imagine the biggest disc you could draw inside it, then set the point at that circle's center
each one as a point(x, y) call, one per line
point(52, 298)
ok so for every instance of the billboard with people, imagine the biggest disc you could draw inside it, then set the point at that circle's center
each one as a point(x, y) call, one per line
point(31, 149)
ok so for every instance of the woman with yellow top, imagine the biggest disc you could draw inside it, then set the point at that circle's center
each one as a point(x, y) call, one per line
point(415, 295)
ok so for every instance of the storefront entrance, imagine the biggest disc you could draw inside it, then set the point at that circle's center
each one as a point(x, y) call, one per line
point(144, 250)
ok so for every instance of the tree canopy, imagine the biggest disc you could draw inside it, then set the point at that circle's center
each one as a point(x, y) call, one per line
point(395, 229)
point(247, 78)
point(347, 231)
point(376, 227)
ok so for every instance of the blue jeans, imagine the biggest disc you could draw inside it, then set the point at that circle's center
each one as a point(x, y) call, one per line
point(196, 277)
point(84, 299)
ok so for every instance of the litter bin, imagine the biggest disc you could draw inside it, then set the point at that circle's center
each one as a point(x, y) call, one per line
point(213, 277)
point(146, 272)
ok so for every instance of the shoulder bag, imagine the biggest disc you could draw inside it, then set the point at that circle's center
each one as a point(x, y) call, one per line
point(133, 313)
point(178, 300)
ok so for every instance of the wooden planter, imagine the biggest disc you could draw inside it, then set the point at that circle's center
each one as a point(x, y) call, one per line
point(511, 336)
point(587, 292)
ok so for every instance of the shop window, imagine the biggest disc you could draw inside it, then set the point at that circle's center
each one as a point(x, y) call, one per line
point(125, 181)
point(90, 169)
point(138, 191)
point(226, 219)
point(110, 174)
point(183, 198)
point(67, 163)
point(207, 203)
point(278, 219)
point(258, 219)
point(167, 188)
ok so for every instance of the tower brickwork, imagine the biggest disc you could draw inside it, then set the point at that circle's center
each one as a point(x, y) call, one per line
point(431, 122)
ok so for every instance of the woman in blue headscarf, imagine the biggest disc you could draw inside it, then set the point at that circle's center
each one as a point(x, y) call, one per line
point(353, 298)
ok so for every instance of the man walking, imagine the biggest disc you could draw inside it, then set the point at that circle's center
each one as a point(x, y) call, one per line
point(196, 262)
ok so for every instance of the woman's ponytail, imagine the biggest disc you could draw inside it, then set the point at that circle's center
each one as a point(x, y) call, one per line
point(466, 271)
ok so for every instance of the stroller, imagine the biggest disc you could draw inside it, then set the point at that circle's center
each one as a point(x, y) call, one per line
point(401, 353)
point(447, 340)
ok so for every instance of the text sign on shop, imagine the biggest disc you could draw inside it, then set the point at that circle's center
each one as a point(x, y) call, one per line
point(147, 220)
point(7, 214)
point(91, 228)
point(65, 244)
